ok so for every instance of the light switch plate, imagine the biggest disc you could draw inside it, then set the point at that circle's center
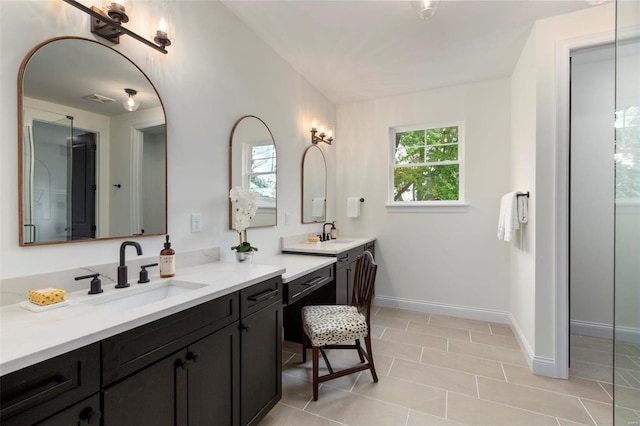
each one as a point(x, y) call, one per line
point(196, 222)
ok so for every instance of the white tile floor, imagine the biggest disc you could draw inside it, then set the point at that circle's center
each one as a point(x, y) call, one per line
point(437, 370)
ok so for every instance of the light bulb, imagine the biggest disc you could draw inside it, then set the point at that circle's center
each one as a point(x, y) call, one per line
point(314, 124)
point(130, 103)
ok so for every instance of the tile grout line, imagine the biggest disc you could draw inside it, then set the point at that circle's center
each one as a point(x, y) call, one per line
point(477, 387)
point(504, 372)
point(587, 410)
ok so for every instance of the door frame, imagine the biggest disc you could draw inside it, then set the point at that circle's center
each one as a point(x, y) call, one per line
point(563, 117)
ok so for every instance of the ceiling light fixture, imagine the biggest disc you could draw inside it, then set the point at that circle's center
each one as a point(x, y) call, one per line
point(107, 24)
point(319, 135)
point(425, 9)
point(130, 103)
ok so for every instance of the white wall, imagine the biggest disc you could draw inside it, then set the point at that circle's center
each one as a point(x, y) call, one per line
point(592, 187)
point(533, 274)
point(433, 260)
point(215, 72)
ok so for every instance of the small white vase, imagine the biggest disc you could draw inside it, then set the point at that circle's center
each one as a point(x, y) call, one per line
point(244, 256)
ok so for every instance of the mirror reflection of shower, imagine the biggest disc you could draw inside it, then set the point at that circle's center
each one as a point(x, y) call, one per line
point(59, 168)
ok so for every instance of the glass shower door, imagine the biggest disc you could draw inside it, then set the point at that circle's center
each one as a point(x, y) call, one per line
point(627, 216)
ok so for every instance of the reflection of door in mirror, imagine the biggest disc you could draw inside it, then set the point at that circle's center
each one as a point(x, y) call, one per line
point(253, 165)
point(314, 185)
point(125, 174)
point(59, 163)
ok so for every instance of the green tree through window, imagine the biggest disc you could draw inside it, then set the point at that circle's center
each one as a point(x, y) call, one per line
point(426, 165)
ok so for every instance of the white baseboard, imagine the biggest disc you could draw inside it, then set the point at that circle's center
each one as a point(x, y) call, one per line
point(488, 315)
point(605, 331)
point(592, 329)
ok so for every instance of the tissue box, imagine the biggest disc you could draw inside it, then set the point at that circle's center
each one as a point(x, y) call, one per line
point(46, 296)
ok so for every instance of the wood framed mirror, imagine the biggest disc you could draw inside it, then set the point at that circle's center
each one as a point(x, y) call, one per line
point(314, 185)
point(88, 168)
point(253, 165)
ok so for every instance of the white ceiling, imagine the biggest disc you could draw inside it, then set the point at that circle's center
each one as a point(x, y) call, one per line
point(357, 50)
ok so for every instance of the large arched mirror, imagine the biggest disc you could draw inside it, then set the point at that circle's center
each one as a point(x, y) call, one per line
point(91, 157)
point(253, 165)
point(314, 185)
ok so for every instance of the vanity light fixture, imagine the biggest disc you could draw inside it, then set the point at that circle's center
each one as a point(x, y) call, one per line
point(108, 24)
point(319, 135)
point(425, 9)
point(130, 103)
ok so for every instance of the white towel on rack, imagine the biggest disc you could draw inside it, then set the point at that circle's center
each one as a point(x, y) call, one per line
point(508, 220)
point(353, 207)
point(317, 207)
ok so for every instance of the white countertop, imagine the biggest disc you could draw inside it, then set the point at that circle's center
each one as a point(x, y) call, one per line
point(27, 337)
point(297, 265)
point(327, 248)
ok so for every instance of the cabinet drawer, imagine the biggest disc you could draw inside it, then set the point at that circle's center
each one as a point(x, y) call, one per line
point(307, 284)
point(260, 295)
point(34, 393)
point(132, 350)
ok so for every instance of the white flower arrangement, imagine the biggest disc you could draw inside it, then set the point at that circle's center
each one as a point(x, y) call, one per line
point(246, 206)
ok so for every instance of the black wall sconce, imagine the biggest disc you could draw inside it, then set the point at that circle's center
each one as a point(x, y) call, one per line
point(108, 25)
point(320, 135)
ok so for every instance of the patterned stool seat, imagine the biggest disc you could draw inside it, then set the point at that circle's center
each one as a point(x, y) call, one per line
point(333, 324)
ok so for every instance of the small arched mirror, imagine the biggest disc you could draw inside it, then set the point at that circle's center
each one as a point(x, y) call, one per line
point(253, 165)
point(314, 185)
point(91, 166)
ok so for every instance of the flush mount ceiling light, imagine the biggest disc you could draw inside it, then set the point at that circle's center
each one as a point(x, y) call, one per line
point(425, 9)
point(595, 2)
point(130, 103)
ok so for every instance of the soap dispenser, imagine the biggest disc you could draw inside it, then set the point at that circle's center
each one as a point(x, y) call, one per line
point(167, 260)
point(334, 231)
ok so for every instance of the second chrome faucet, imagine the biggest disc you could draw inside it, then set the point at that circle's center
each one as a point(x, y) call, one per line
point(122, 268)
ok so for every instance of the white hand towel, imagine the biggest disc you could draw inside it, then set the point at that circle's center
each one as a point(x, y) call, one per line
point(508, 220)
point(353, 207)
point(317, 207)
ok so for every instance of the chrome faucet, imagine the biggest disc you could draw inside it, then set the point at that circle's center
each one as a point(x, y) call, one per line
point(122, 269)
point(326, 236)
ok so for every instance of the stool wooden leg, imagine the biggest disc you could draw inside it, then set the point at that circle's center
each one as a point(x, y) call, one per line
point(316, 353)
point(367, 341)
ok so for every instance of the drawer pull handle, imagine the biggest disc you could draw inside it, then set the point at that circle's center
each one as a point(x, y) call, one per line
point(304, 291)
point(55, 386)
point(265, 295)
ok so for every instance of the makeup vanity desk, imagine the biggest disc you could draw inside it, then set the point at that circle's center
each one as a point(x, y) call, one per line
point(316, 274)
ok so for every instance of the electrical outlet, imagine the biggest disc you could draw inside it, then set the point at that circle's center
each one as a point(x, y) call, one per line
point(196, 222)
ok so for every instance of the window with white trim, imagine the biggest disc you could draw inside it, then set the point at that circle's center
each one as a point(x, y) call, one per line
point(427, 165)
point(261, 175)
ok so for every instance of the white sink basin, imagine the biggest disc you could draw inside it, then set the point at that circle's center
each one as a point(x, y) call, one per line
point(142, 294)
point(338, 241)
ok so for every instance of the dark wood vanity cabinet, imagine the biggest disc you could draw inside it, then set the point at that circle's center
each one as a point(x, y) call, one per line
point(194, 386)
point(218, 363)
point(261, 350)
point(44, 393)
point(345, 274)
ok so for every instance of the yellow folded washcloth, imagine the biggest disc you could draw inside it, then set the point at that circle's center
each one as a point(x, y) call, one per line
point(46, 296)
point(313, 239)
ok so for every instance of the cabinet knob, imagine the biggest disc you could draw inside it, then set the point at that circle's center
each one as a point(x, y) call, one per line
point(90, 416)
point(193, 356)
point(245, 327)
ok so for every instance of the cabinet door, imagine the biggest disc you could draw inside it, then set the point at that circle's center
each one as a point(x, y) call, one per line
point(84, 413)
point(261, 363)
point(149, 396)
point(214, 375)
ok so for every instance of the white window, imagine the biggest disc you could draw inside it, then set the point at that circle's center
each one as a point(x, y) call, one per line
point(427, 165)
point(261, 172)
